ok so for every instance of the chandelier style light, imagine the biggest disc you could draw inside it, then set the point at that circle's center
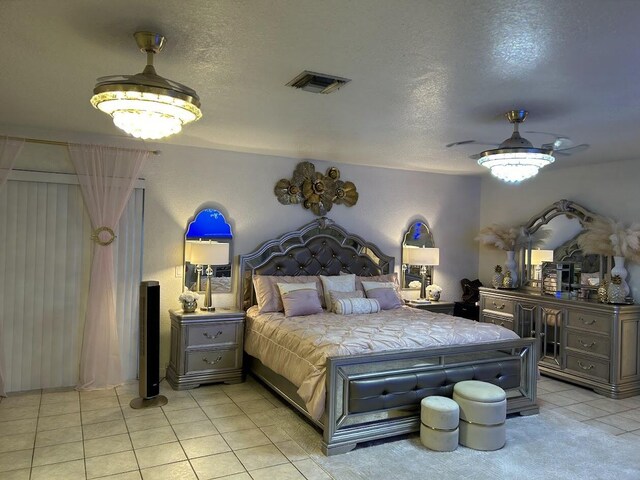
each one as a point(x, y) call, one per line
point(516, 159)
point(147, 105)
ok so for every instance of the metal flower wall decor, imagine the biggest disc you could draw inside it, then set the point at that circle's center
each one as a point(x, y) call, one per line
point(315, 191)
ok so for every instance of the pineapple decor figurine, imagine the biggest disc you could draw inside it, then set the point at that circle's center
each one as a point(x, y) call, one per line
point(507, 281)
point(616, 292)
point(603, 291)
point(497, 278)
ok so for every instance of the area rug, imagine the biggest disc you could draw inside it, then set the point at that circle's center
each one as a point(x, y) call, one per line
point(544, 446)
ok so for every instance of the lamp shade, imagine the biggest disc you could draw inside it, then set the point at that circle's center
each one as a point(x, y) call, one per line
point(421, 256)
point(207, 253)
point(539, 256)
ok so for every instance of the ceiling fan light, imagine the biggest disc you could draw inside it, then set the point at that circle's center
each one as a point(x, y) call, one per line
point(147, 105)
point(515, 166)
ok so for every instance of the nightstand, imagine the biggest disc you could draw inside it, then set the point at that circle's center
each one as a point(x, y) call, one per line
point(205, 347)
point(437, 307)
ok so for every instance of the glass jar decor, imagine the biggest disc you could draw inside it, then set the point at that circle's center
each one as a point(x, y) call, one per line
point(497, 278)
point(615, 292)
point(189, 301)
point(603, 291)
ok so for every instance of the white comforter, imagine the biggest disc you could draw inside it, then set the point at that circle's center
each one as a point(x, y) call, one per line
point(297, 347)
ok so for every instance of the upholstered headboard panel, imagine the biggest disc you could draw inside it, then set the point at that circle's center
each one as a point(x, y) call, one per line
point(319, 248)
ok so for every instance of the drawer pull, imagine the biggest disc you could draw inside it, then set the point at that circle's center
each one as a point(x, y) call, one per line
point(498, 307)
point(590, 322)
point(587, 345)
point(212, 337)
point(585, 367)
point(212, 363)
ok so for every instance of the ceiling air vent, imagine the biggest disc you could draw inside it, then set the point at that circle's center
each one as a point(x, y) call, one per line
point(317, 82)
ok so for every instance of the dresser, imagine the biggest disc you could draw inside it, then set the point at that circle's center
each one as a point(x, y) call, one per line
point(584, 342)
point(205, 347)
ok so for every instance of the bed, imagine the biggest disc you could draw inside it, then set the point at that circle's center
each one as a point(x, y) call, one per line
point(372, 393)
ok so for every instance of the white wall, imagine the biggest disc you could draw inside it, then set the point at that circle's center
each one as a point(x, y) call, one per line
point(607, 189)
point(181, 180)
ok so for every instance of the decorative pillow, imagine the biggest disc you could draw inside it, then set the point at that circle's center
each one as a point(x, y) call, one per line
point(268, 295)
point(299, 299)
point(348, 306)
point(335, 296)
point(337, 283)
point(385, 293)
point(390, 277)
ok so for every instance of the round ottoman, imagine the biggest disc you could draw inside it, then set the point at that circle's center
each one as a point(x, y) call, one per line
point(483, 411)
point(439, 423)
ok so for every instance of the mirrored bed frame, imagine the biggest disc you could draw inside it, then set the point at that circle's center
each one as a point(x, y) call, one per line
point(378, 395)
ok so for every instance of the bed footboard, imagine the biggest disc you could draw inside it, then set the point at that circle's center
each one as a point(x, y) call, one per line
point(378, 395)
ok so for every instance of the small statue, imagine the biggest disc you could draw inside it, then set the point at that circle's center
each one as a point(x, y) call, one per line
point(497, 278)
point(603, 291)
point(507, 281)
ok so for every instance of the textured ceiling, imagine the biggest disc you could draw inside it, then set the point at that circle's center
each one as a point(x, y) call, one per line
point(424, 73)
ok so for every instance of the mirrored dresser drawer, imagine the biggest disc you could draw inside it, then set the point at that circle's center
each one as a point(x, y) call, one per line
point(206, 347)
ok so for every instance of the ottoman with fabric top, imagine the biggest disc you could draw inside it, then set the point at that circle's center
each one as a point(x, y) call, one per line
point(439, 418)
point(483, 411)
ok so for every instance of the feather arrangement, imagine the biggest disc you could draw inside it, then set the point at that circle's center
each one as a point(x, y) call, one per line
point(501, 237)
point(606, 236)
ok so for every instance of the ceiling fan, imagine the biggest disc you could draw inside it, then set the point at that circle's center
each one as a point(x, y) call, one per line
point(516, 158)
point(561, 144)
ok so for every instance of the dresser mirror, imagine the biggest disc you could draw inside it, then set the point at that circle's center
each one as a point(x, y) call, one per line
point(551, 236)
point(418, 234)
point(207, 238)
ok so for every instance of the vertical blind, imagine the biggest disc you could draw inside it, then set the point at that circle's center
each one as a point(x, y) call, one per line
point(45, 255)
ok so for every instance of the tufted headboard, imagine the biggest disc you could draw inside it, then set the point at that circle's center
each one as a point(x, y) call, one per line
point(319, 248)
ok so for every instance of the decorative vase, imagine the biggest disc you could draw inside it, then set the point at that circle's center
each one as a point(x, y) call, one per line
point(434, 296)
point(189, 307)
point(615, 293)
point(603, 291)
point(619, 270)
point(510, 266)
point(507, 281)
point(497, 278)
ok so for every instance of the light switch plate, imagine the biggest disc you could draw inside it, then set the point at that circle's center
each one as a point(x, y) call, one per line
point(179, 271)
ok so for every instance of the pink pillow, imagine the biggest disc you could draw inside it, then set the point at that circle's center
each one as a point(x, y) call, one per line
point(268, 296)
point(390, 277)
point(384, 292)
point(301, 302)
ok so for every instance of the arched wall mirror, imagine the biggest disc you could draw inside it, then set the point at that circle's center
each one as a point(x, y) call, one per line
point(418, 234)
point(552, 236)
point(208, 252)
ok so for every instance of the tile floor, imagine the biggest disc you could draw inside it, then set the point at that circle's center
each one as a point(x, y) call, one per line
point(233, 432)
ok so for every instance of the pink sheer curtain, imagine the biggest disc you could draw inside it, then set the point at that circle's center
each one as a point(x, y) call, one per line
point(107, 176)
point(9, 151)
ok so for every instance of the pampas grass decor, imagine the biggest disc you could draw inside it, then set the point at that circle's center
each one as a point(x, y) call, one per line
point(606, 236)
point(501, 237)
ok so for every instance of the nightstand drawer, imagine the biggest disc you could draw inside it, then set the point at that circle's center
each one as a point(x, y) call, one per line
point(589, 321)
point(589, 343)
point(587, 365)
point(214, 333)
point(222, 359)
point(498, 305)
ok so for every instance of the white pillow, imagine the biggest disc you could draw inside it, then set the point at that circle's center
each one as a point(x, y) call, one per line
point(337, 283)
point(348, 306)
point(371, 285)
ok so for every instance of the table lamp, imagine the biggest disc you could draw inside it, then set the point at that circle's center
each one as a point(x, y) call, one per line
point(425, 257)
point(208, 253)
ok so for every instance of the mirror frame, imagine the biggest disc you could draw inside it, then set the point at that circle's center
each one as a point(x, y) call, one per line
point(561, 207)
point(415, 222)
point(196, 230)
